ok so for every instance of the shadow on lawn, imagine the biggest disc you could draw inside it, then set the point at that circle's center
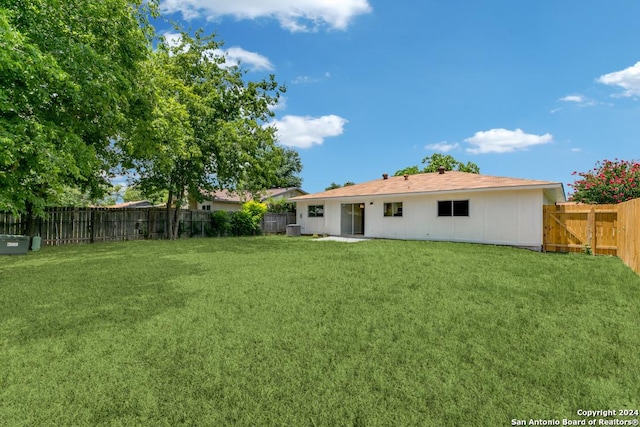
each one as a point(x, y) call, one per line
point(105, 292)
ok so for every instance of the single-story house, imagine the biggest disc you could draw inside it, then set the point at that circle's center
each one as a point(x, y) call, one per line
point(449, 206)
point(224, 200)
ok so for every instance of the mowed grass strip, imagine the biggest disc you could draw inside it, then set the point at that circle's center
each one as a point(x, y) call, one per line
point(291, 331)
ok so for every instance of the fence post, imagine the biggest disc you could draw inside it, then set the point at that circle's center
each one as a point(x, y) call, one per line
point(591, 228)
point(91, 225)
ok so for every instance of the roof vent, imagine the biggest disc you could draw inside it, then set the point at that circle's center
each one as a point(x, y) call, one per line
point(406, 177)
point(441, 170)
point(385, 176)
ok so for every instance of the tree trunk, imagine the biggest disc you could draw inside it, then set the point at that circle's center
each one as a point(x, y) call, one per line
point(29, 224)
point(176, 221)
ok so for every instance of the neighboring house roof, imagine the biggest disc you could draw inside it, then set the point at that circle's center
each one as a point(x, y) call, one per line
point(135, 204)
point(435, 182)
point(233, 197)
point(224, 196)
point(275, 192)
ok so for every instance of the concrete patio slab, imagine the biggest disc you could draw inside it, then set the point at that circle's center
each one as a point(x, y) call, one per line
point(340, 239)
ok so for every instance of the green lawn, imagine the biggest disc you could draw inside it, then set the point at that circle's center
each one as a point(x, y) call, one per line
point(289, 331)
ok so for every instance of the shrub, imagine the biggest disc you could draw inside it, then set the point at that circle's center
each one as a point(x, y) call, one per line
point(242, 224)
point(255, 210)
point(221, 223)
point(609, 182)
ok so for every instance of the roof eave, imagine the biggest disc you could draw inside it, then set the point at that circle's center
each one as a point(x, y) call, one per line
point(553, 185)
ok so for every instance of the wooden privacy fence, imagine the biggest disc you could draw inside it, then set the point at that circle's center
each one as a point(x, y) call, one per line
point(599, 229)
point(628, 238)
point(88, 225)
point(277, 222)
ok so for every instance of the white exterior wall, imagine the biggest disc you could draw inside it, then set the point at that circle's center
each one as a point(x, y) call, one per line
point(504, 217)
point(219, 206)
point(328, 224)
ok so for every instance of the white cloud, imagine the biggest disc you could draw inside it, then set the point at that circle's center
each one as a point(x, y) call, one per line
point(573, 98)
point(305, 80)
point(306, 131)
point(504, 141)
point(294, 15)
point(281, 105)
point(238, 56)
point(310, 80)
point(120, 179)
point(628, 79)
point(233, 56)
point(580, 100)
point(443, 146)
point(172, 39)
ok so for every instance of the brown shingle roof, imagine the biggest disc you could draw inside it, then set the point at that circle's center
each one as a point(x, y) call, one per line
point(429, 183)
point(226, 196)
point(238, 197)
point(274, 192)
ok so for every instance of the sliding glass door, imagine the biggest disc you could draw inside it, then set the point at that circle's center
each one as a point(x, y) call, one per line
point(352, 219)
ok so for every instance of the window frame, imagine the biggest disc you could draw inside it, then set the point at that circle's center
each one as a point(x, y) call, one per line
point(312, 211)
point(456, 208)
point(393, 209)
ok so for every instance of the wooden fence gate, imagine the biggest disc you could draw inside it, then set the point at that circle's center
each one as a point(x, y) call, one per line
point(581, 228)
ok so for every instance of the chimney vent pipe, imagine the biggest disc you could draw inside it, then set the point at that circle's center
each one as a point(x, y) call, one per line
point(406, 177)
point(385, 176)
point(441, 170)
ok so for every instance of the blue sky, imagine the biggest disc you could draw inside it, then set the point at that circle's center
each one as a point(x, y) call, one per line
point(534, 89)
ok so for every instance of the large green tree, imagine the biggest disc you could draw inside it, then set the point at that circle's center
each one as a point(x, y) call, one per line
point(208, 129)
point(288, 167)
point(69, 78)
point(435, 161)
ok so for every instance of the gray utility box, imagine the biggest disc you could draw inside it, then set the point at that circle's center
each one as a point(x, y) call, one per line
point(14, 244)
point(293, 230)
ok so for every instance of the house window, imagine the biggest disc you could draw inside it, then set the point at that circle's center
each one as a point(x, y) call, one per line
point(453, 208)
point(316, 211)
point(206, 207)
point(393, 209)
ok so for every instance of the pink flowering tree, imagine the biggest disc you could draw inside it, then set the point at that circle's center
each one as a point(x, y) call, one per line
point(609, 182)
